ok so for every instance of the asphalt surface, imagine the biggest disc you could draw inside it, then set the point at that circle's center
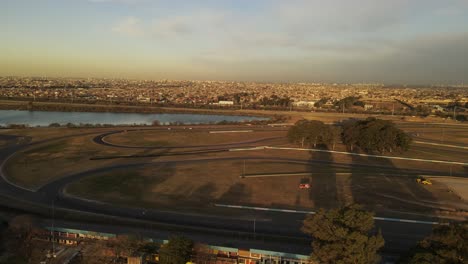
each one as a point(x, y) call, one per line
point(398, 236)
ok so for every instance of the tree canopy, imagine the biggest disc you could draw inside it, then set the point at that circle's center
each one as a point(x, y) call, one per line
point(447, 244)
point(375, 135)
point(275, 100)
point(349, 102)
point(313, 133)
point(177, 251)
point(344, 235)
point(18, 240)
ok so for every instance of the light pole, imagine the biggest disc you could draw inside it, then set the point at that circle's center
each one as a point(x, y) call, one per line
point(254, 226)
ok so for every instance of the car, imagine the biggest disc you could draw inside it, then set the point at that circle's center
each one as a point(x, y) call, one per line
point(305, 183)
point(424, 181)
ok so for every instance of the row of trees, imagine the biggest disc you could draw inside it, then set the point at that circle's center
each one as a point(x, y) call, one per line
point(370, 135)
point(347, 235)
point(275, 100)
point(314, 133)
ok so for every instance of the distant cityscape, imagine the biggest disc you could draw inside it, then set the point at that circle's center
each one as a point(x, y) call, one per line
point(378, 98)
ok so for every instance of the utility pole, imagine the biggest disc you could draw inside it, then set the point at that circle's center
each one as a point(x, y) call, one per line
point(53, 229)
point(454, 107)
point(393, 109)
point(254, 226)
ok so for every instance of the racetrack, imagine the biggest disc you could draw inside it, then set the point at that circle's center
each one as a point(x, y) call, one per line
point(399, 236)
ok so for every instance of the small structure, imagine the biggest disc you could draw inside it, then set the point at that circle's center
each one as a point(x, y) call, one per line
point(226, 103)
point(368, 107)
point(307, 104)
point(137, 259)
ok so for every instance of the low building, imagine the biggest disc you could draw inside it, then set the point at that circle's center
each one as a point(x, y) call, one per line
point(225, 103)
point(368, 107)
point(308, 104)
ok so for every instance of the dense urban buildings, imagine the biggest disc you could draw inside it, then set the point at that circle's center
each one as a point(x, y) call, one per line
point(425, 99)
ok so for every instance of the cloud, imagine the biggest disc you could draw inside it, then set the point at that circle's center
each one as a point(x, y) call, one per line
point(130, 26)
point(428, 58)
point(340, 15)
point(202, 22)
point(342, 40)
point(173, 26)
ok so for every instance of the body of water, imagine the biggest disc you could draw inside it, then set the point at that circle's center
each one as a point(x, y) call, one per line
point(44, 118)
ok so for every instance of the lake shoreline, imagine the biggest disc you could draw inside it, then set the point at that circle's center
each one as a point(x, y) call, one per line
point(100, 108)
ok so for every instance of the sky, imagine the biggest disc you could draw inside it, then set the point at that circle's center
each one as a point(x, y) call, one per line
point(379, 41)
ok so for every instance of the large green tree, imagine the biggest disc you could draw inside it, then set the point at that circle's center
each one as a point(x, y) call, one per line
point(447, 244)
point(375, 136)
point(310, 132)
point(177, 251)
point(344, 235)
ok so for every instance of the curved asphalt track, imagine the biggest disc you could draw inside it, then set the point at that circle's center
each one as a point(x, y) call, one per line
point(399, 236)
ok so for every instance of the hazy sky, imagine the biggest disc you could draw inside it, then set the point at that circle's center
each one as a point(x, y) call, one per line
point(404, 41)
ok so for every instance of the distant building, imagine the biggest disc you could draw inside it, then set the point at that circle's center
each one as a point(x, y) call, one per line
point(309, 104)
point(438, 108)
point(225, 103)
point(135, 260)
point(368, 107)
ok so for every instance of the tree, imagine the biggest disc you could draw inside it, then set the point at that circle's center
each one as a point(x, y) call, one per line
point(422, 110)
point(321, 102)
point(375, 135)
point(177, 251)
point(343, 236)
point(310, 132)
point(149, 248)
point(94, 253)
point(19, 238)
point(447, 244)
point(335, 135)
point(349, 102)
point(125, 245)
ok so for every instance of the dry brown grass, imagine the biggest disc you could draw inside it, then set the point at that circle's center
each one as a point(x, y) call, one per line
point(185, 138)
point(40, 164)
point(194, 186)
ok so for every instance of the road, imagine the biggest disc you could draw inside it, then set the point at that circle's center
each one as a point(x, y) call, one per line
point(398, 236)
